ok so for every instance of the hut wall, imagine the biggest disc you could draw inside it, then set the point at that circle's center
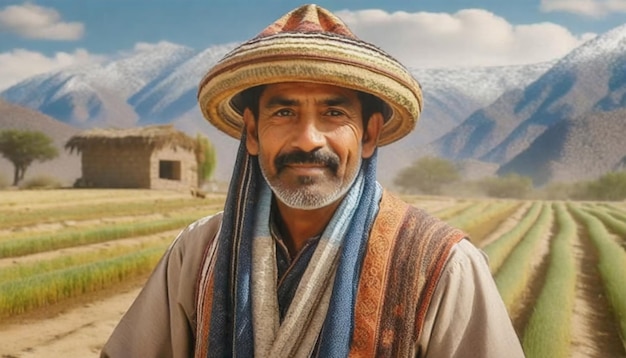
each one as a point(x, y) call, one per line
point(173, 169)
point(112, 166)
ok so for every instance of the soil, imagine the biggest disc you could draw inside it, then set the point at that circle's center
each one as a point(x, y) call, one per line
point(594, 328)
point(77, 332)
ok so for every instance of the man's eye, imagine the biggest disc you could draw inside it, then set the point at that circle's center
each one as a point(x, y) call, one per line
point(283, 113)
point(334, 113)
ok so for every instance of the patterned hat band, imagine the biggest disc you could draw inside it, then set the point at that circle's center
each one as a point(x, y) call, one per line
point(317, 56)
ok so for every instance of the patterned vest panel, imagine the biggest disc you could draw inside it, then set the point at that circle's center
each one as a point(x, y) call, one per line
point(407, 252)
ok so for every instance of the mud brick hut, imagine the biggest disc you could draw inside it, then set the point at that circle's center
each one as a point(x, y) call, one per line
point(155, 157)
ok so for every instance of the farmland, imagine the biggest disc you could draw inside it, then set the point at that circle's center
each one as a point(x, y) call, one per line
point(71, 261)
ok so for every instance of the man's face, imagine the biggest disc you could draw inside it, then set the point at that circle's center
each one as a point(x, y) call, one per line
point(310, 140)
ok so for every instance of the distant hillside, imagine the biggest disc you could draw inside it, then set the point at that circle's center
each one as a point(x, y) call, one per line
point(575, 149)
point(590, 78)
point(482, 117)
point(158, 84)
point(65, 167)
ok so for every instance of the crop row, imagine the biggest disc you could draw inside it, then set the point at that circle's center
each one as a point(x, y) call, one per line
point(548, 333)
point(19, 218)
point(609, 219)
point(18, 271)
point(612, 264)
point(482, 218)
point(515, 273)
point(77, 237)
point(32, 292)
point(499, 250)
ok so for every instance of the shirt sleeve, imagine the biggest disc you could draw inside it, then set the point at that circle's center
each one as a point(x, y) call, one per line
point(466, 317)
point(161, 322)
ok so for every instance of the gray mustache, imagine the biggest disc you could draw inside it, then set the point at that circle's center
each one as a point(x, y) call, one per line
point(329, 159)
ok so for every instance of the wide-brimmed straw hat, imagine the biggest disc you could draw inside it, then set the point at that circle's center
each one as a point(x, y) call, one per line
point(310, 44)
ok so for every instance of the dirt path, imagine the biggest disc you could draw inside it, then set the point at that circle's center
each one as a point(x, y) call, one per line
point(79, 332)
point(594, 330)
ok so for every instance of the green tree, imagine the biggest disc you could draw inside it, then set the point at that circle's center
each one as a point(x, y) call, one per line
point(206, 157)
point(509, 186)
point(427, 175)
point(611, 186)
point(22, 148)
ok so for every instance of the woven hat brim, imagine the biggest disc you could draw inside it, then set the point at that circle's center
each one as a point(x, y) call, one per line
point(317, 58)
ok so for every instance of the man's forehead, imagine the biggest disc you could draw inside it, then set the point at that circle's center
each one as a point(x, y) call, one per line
point(300, 90)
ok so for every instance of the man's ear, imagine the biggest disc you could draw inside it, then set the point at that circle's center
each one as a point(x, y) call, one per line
point(371, 134)
point(252, 139)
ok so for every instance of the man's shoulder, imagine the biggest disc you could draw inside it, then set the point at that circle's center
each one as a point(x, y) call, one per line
point(198, 235)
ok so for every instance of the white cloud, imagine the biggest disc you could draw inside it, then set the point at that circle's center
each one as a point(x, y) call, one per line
point(472, 37)
point(20, 64)
point(590, 8)
point(37, 22)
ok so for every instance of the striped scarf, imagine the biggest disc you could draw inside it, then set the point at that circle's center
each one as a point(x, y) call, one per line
point(239, 308)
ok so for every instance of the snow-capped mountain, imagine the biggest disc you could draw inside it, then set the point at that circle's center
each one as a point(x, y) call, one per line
point(97, 95)
point(175, 93)
point(158, 84)
point(582, 148)
point(135, 70)
point(590, 78)
point(450, 96)
point(490, 114)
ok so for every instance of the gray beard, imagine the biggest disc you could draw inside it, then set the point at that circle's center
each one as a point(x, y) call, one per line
point(307, 197)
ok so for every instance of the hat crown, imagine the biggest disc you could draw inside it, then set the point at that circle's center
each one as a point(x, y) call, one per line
point(308, 19)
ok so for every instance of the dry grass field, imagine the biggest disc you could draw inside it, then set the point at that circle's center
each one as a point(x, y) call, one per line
point(72, 261)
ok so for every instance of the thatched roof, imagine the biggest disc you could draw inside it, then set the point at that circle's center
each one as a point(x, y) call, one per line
point(155, 137)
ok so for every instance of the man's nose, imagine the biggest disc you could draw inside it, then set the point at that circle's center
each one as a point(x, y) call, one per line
point(308, 136)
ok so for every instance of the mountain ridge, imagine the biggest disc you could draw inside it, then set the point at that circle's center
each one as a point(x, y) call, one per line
point(488, 114)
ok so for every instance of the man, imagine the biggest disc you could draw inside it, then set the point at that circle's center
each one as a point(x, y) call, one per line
point(311, 257)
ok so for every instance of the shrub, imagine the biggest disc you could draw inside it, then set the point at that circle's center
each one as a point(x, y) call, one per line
point(611, 186)
point(562, 191)
point(206, 159)
point(427, 175)
point(509, 186)
point(41, 182)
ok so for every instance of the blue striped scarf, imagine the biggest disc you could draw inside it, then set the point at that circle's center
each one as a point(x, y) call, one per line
point(245, 217)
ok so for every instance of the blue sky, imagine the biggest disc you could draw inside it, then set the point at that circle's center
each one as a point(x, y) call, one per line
point(45, 35)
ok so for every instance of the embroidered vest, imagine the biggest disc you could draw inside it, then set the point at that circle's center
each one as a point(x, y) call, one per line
point(407, 252)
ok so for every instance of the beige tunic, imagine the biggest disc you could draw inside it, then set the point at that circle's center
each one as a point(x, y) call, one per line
point(465, 319)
